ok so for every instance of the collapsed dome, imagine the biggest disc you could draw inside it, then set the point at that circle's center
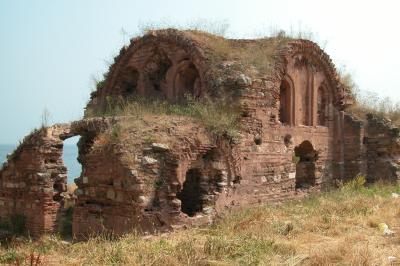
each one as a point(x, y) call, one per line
point(171, 64)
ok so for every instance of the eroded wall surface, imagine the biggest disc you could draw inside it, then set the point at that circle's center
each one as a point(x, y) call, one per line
point(33, 181)
point(158, 174)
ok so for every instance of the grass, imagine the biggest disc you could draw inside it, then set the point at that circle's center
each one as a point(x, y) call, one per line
point(336, 228)
point(369, 102)
point(219, 117)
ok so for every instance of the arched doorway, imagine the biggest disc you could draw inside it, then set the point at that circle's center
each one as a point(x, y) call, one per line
point(305, 167)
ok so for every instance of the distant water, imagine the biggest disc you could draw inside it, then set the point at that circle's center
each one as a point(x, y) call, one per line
point(70, 156)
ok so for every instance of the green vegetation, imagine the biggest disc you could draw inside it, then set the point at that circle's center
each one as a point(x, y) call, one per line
point(339, 227)
point(66, 230)
point(219, 117)
point(15, 225)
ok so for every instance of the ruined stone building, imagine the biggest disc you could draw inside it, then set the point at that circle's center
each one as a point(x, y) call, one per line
point(158, 172)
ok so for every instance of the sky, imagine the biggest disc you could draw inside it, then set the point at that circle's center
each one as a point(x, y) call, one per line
point(50, 51)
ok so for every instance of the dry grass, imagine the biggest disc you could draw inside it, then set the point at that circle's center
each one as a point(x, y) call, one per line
point(219, 116)
point(337, 228)
point(257, 56)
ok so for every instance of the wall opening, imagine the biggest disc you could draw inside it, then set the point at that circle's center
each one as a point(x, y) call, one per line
point(157, 69)
point(70, 155)
point(191, 193)
point(130, 81)
point(285, 103)
point(305, 167)
point(187, 80)
point(322, 107)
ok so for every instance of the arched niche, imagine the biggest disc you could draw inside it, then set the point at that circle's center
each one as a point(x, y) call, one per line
point(286, 102)
point(129, 81)
point(186, 80)
point(156, 72)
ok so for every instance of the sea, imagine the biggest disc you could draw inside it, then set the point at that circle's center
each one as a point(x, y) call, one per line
point(70, 155)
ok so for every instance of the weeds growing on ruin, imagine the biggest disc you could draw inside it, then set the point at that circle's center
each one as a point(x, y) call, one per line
point(219, 117)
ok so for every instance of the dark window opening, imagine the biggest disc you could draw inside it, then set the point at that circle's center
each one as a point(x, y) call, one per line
point(305, 167)
point(191, 193)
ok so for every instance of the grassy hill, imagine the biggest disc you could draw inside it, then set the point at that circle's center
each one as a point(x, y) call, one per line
point(336, 228)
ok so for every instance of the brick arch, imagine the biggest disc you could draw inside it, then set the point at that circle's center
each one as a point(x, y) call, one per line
point(317, 58)
point(157, 57)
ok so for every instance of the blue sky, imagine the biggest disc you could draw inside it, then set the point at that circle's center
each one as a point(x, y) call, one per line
point(51, 50)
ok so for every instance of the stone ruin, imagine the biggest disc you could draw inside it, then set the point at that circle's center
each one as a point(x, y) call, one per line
point(295, 137)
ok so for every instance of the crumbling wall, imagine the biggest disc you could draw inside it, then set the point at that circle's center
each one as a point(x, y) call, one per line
point(382, 150)
point(33, 181)
point(352, 147)
point(137, 184)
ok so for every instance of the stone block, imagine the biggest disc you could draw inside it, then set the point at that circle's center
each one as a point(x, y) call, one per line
point(146, 160)
point(160, 147)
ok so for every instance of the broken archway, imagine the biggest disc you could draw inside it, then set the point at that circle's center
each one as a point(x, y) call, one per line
point(305, 167)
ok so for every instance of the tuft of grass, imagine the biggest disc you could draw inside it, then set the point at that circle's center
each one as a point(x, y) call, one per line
point(10, 256)
point(356, 183)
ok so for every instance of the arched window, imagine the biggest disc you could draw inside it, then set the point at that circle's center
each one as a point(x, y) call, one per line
point(285, 107)
point(322, 107)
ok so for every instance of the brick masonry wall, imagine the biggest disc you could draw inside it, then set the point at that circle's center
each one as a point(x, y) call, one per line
point(33, 180)
point(382, 150)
